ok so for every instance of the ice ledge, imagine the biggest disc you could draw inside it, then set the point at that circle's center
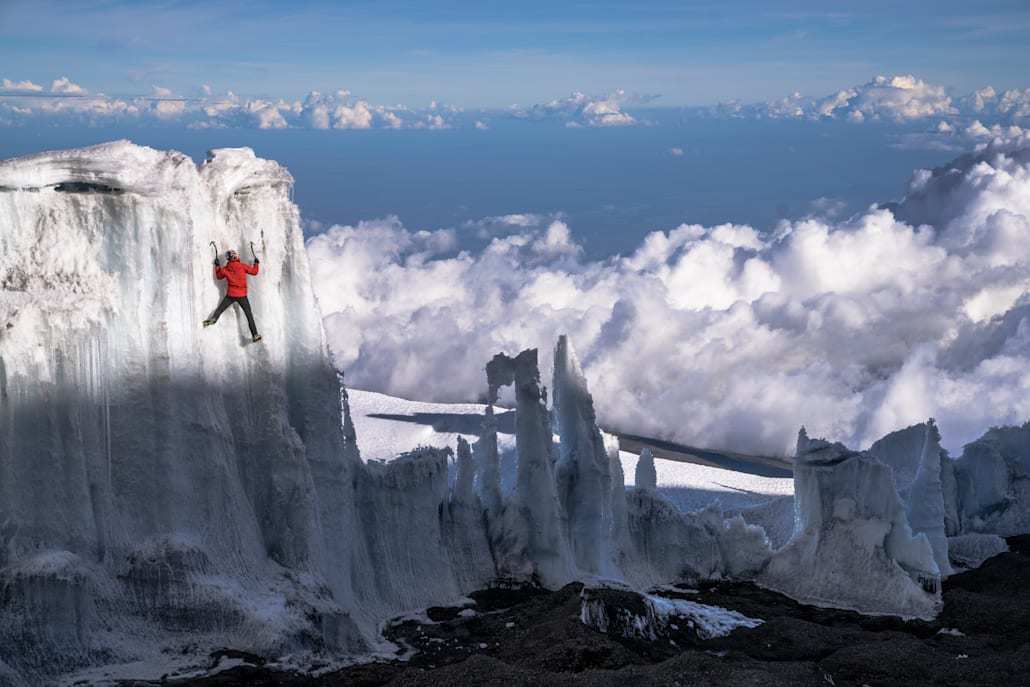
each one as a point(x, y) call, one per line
point(122, 166)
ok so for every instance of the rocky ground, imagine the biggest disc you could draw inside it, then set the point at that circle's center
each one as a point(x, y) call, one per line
point(521, 636)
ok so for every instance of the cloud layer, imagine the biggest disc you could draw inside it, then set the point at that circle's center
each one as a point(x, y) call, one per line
point(719, 335)
point(69, 103)
point(897, 99)
point(66, 102)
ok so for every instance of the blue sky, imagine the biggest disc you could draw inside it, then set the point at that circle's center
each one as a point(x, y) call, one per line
point(492, 54)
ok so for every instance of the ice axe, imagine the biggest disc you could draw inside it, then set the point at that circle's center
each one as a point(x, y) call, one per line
point(215, 249)
point(252, 252)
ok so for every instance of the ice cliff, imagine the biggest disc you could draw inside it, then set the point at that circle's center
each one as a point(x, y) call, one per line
point(166, 490)
point(162, 485)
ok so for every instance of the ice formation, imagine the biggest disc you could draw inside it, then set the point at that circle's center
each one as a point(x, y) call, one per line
point(917, 460)
point(533, 541)
point(646, 475)
point(875, 531)
point(964, 504)
point(992, 483)
point(852, 545)
point(166, 490)
point(583, 470)
point(651, 617)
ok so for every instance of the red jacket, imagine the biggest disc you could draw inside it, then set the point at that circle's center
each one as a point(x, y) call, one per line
point(235, 272)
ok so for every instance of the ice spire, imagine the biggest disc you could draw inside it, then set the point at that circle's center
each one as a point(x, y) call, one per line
point(487, 462)
point(646, 475)
point(534, 542)
point(584, 480)
point(462, 490)
point(618, 494)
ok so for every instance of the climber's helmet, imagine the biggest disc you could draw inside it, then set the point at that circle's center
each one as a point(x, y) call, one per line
point(232, 255)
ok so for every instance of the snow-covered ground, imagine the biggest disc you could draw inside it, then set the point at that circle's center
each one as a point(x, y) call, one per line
point(389, 426)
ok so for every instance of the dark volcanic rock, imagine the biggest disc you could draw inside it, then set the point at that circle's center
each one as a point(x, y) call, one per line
point(516, 636)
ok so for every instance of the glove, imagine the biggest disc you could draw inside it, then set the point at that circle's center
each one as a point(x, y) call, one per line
point(216, 263)
point(257, 260)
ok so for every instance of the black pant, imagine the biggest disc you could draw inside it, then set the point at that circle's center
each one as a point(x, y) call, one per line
point(244, 303)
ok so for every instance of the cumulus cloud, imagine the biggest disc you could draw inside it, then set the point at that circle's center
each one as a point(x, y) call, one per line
point(65, 86)
point(1010, 105)
point(975, 136)
point(25, 85)
point(676, 152)
point(720, 335)
point(898, 98)
point(580, 109)
point(69, 103)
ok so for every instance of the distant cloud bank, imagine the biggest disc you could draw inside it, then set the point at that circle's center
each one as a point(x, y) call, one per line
point(580, 109)
point(899, 99)
point(66, 102)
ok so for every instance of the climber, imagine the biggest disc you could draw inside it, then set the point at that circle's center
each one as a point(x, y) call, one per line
point(235, 272)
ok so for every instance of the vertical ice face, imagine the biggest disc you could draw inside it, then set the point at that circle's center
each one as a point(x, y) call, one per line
point(618, 496)
point(465, 526)
point(915, 455)
point(106, 251)
point(157, 477)
point(852, 546)
point(662, 544)
point(582, 470)
point(993, 481)
point(422, 549)
point(646, 475)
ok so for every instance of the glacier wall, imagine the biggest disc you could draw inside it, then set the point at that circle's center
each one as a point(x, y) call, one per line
point(164, 485)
